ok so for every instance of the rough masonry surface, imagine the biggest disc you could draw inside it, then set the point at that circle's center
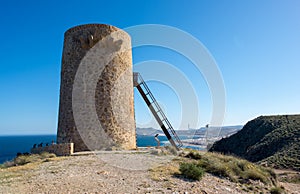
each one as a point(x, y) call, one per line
point(96, 110)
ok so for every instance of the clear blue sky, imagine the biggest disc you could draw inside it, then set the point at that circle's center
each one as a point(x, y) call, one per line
point(256, 45)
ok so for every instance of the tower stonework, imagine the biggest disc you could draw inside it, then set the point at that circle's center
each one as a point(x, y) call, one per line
point(96, 109)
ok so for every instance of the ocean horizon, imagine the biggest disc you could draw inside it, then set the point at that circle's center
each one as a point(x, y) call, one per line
point(10, 145)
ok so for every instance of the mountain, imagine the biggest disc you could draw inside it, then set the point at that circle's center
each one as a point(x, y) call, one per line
point(148, 131)
point(218, 131)
point(272, 140)
point(189, 132)
point(151, 132)
point(212, 131)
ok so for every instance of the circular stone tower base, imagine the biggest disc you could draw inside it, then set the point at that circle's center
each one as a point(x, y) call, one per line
point(96, 109)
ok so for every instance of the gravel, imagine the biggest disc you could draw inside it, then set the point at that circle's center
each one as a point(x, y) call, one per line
point(108, 172)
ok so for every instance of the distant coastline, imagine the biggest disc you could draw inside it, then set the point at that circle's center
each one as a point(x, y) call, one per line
point(10, 145)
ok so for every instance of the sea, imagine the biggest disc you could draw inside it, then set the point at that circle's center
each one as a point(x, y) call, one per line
point(11, 145)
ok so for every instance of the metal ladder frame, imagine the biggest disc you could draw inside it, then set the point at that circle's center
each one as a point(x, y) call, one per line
point(156, 110)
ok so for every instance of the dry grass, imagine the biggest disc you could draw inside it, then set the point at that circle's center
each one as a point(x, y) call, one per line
point(289, 177)
point(26, 159)
point(164, 150)
point(236, 169)
point(161, 173)
point(9, 174)
point(251, 177)
point(23, 165)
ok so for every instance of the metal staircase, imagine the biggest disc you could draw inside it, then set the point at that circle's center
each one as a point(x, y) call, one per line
point(157, 112)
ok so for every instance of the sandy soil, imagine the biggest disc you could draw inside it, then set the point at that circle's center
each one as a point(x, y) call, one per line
point(108, 172)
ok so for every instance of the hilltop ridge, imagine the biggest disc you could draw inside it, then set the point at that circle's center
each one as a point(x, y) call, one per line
point(271, 140)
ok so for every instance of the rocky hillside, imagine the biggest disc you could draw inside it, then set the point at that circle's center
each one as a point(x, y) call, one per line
point(272, 140)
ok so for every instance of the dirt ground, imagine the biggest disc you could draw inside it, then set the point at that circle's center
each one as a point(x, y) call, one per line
point(111, 172)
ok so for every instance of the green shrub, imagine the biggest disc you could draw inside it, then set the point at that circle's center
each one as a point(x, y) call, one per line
point(191, 171)
point(194, 155)
point(277, 190)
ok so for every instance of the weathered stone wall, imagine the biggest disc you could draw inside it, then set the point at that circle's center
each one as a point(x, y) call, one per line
point(96, 109)
point(65, 149)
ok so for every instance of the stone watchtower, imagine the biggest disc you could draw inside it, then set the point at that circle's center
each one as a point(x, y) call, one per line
point(96, 109)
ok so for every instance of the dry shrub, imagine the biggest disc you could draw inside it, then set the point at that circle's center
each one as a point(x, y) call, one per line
point(236, 169)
